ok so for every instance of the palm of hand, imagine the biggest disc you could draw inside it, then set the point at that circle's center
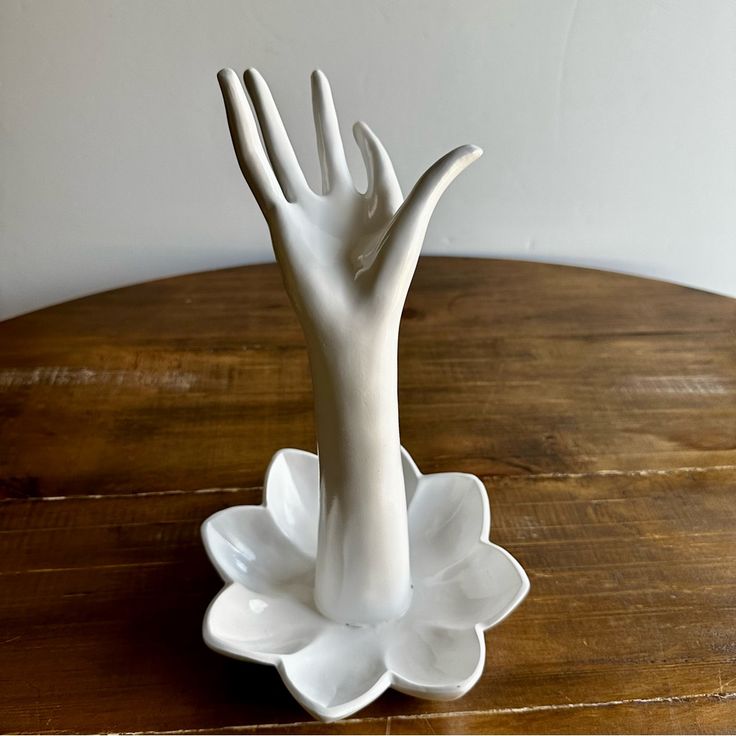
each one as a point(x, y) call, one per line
point(335, 237)
point(344, 254)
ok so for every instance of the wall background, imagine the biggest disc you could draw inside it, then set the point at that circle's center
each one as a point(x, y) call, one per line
point(609, 129)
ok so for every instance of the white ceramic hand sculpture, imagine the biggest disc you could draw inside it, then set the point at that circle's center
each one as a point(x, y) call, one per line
point(347, 259)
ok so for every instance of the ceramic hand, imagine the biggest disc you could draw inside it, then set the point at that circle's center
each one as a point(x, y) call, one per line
point(344, 254)
point(347, 259)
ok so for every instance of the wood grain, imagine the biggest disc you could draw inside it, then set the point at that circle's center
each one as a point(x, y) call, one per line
point(598, 409)
point(505, 368)
point(632, 608)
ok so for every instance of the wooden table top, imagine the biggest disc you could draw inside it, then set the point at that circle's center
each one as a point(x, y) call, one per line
point(599, 410)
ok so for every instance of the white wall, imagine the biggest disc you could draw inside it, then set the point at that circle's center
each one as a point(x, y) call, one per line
point(609, 128)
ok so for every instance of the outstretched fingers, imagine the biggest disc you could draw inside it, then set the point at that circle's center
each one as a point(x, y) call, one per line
point(383, 185)
point(333, 163)
point(252, 158)
point(278, 145)
point(400, 249)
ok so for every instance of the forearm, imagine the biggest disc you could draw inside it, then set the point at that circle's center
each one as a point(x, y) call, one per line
point(363, 559)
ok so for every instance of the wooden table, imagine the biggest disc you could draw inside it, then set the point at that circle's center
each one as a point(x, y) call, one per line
point(599, 409)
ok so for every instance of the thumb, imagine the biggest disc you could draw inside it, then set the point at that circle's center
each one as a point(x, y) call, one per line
point(403, 242)
point(423, 198)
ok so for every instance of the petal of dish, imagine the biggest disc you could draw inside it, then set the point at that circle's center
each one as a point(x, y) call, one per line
point(292, 494)
point(245, 546)
point(435, 661)
point(257, 626)
point(481, 589)
point(339, 673)
point(448, 515)
point(411, 474)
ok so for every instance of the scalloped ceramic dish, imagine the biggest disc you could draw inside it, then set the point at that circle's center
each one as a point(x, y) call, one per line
point(462, 584)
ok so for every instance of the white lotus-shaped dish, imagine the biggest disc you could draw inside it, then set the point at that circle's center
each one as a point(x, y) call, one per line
point(462, 584)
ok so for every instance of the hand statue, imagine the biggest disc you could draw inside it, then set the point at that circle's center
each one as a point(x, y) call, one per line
point(347, 259)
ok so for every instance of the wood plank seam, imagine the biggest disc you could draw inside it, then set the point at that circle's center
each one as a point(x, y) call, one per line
point(141, 494)
point(641, 473)
point(282, 727)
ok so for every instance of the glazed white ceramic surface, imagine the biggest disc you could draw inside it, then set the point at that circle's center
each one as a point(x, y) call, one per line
point(268, 556)
point(358, 572)
point(347, 259)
